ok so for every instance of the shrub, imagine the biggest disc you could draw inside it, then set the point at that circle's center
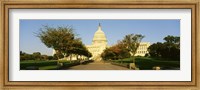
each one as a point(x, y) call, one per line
point(67, 64)
point(145, 63)
point(53, 67)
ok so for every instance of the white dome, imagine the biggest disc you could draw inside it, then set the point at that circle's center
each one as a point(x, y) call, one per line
point(99, 36)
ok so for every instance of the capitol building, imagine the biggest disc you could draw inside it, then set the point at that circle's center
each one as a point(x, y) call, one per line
point(100, 43)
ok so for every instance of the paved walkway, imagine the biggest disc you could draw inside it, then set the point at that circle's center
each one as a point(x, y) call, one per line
point(97, 66)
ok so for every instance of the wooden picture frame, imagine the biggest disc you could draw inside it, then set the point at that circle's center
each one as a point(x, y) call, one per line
point(4, 60)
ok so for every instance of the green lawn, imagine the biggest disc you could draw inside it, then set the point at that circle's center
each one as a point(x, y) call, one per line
point(145, 63)
point(46, 64)
point(36, 63)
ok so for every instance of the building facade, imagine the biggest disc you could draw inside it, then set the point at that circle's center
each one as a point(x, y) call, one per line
point(142, 50)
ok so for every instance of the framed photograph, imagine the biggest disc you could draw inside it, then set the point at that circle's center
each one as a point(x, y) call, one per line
point(100, 44)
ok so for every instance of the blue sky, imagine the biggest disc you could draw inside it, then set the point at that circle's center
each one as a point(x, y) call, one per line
point(153, 30)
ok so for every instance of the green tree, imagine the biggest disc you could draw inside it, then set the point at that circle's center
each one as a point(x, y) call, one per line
point(168, 49)
point(171, 47)
point(79, 49)
point(132, 42)
point(25, 56)
point(89, 55)
point(155, 49)
point(172, 39)
point(37, 55)
point(22, 55)
point(44, 57)
point(63, 41)
point(58, 55)
point(50, 57)
point(58, 38)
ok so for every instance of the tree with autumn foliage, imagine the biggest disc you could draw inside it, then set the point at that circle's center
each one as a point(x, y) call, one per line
point(115, 52)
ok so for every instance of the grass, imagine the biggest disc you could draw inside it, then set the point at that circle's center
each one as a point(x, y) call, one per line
point(37, 63)
point(46, 64)
point(145, 63)
point(149, 63)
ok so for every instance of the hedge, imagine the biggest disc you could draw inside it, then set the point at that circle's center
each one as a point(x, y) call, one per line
point(36, 63)
point(54, 67)
point(46, 65)
point(145, 63)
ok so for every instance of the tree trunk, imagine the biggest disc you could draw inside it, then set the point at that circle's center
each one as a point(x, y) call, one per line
point(70, 58)
point(133, 59)
point(76, 57)
point(57, 57)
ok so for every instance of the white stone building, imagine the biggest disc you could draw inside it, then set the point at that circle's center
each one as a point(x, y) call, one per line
point(99, 43)
point(142, 49)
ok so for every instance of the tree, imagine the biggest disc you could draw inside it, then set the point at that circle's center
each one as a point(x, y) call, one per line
point(34, 56)
point(79, 49)
point(168, 49)
point(25, 56)
point(115, 52)
point(63, 41)
point(120, 51)
point(37, 55)
point(172, 39)
point(155, 49)
point(108, 54)
point(58, 55)
point(44, 57)
point(132, 42)
point(89, 55)
point(59, 38)
point(171, 47)
point(50, 57)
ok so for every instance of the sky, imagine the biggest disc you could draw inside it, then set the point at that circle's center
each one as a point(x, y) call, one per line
point(153, 30)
